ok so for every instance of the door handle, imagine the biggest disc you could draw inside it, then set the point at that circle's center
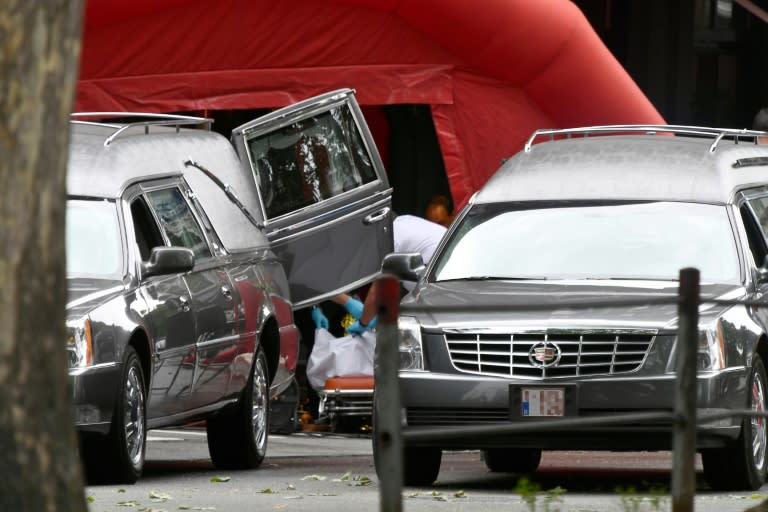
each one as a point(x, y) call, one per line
point(184, 303)
point(225, 291)
point(376, 216)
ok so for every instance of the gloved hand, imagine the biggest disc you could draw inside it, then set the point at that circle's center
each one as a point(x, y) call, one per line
point(357, 329)
point(321, 321)
point(354, 307)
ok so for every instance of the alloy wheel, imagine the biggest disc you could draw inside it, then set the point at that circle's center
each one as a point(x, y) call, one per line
point(134, 415)
point(758, 423)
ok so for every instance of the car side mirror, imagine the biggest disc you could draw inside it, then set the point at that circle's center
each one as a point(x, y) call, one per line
point(168, 260)
point(406, 266)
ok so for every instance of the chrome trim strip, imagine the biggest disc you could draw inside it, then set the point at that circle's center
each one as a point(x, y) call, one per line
point(152, 120)
point(353, 209)
point(178, 418)
point(716, 133)
point(320, 298)
point(217, 341)
point(74, 372)
point(94, 295)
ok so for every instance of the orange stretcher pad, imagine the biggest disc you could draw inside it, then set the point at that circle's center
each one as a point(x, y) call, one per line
point(347, 396)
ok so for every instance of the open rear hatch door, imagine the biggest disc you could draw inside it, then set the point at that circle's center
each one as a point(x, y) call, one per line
point(324, 195)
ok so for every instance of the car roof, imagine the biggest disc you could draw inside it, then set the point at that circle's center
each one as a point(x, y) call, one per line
point(101, 166)
point(690, 164)
point(106, 158)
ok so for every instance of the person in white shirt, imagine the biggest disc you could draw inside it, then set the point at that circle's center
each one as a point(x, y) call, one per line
point(415, 234)
point(410, 234)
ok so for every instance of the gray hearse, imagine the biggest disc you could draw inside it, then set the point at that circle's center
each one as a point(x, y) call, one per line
point(587, 215)
point(185, 263)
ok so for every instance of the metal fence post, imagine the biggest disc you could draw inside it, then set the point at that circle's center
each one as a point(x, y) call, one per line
point(387, 434)
point(684, 429)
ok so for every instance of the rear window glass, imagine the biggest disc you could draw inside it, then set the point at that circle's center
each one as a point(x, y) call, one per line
point(309, 161)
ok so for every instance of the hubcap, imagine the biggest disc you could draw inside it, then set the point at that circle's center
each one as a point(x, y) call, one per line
point(758, 423)
point(134, 416)
point(259, 406)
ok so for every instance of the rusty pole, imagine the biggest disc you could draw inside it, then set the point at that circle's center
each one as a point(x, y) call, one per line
point(684, 429)
point(388, 446)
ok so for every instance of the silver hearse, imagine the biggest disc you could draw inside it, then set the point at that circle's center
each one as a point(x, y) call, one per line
point(182, 269)
point(593, 215)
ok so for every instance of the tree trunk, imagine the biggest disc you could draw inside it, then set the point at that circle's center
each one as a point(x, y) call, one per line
point(39, 55)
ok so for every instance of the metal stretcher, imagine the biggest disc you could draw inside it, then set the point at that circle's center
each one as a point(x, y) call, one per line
point(347, 402)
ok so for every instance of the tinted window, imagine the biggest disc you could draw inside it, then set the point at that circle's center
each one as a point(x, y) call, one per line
point(309, 161)
point(760, 207)
point(147, 232)
point(178, 222)
point(572, 241)
point(93, 240)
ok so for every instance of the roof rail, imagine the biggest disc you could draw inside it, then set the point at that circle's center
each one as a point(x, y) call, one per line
point(151, 120)
point(717, 134)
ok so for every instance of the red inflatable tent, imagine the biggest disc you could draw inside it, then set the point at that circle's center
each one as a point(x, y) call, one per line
point(491, 71)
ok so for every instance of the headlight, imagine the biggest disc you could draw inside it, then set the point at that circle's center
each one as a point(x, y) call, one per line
point(411, 355)
point(711, 349)
point(79, 343)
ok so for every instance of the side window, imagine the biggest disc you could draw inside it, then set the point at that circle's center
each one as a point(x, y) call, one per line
point(309, 161)
point(147, 233)
point(760, 207)
point(755, 234)
point(178, 222)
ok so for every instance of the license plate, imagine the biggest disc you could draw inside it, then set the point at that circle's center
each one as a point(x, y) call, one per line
point(542, 401)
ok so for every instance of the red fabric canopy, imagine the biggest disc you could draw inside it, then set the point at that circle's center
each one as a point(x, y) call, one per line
point(491, 71)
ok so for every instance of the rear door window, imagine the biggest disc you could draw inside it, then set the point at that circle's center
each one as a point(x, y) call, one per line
point(309, 161)
point(325, 199)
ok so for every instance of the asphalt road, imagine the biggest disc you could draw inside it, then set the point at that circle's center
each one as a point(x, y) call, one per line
point(326, 472)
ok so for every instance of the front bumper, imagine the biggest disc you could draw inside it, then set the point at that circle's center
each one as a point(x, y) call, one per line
point(457, 403)
point(94, 395)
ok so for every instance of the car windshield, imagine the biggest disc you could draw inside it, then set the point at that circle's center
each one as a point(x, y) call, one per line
point(639, 240)
point(93, 240)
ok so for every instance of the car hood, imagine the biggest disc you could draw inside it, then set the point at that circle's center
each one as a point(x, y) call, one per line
point(84, 295)
point(485, 304)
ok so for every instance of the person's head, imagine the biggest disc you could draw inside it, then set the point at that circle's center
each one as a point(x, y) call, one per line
point(438, 213)
point(760, 122)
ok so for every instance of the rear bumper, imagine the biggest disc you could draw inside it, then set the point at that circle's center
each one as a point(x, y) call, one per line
point(455, 404)
point(94, 394)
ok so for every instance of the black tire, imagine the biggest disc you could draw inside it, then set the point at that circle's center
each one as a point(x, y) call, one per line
point(421, 465)
point(512, 460)
point(742, 465)
point(237, 439)
point(118, 458)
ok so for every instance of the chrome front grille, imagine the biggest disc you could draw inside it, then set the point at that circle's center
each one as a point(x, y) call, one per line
point(570, 354)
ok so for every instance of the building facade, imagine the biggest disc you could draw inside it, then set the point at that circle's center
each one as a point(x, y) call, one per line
point(700, 62)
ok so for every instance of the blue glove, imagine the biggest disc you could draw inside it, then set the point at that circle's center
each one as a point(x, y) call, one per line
point(321, 321)
point(357, 329)
point(354, 307)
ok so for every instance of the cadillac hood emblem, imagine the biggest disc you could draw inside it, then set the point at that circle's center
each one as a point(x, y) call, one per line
point(544, 355)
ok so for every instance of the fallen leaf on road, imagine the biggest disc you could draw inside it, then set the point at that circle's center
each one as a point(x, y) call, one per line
point(159, 496)
point(218, 479)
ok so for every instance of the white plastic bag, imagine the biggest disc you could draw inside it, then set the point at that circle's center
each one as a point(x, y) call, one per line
point(348, 356)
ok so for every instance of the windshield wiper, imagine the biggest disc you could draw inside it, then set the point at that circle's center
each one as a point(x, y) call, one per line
point(227, 188)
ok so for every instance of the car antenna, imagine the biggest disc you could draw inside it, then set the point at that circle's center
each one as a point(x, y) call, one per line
point(227, 190)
